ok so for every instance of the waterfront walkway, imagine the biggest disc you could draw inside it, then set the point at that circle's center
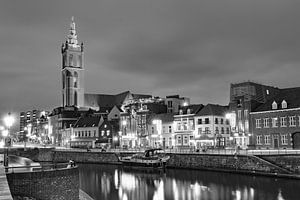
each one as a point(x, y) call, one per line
point(4, 188)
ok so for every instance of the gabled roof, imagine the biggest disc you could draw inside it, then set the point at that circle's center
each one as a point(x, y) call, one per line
point(194, 108)
point(89, 121)
point(290, 95)
point(107, 100)
point(164, 117)
point(213, 109)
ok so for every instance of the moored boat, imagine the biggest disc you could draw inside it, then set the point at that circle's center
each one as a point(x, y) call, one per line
point(152, 158)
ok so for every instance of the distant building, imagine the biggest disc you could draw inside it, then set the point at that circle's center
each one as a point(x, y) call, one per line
point(212, 129)
point(61, 119)
point(276, 123)
point(161, 130)
point(34, 125)
point(244, 98)
point(174, 102)
point(184, 123)
point(133, 123)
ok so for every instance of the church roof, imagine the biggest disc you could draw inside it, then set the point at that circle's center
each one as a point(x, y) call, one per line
point(88, 121)
point(107, 100)
point(213, 109)
point(290, 95)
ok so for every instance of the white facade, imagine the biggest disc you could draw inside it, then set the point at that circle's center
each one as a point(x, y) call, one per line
point(211, 130)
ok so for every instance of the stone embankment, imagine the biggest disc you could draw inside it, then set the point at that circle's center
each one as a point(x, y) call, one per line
point(272, 165)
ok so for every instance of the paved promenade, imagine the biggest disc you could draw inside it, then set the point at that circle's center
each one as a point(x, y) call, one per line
point(4, 188)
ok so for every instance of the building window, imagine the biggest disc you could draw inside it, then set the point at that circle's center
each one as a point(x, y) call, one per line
point(266, 122)
point(274, 122)
point(170, 141)
point(239, 114)
point(216, 121)
point(180, 112)
point(170, 129)
point(283, 121)
point(258, 139)
point(222, 121)
point(152, 130)
point(102, 133)
point(274, 105)
point(246, 114)
point(227, 130)
point(95, 133)
point(257, 123)
point(292, 120)
point(207, 131)
point(283, 104)
point(246, 125)
point(170, 104)
point(284, 140)
point(199, 131)
point(85, 133)
point(200, 121)
point(185, 140)
point(206, 120)
point(89, 133)
point(267, 139)
point(179, 140)
point(222, 130)
point(217, 130)
point(108, 132)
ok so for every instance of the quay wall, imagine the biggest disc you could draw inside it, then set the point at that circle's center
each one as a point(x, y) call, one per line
point(59, 184)
point(286, 164)
point(240, 163)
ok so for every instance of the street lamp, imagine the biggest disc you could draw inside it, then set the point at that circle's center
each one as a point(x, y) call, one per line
point(8, 121)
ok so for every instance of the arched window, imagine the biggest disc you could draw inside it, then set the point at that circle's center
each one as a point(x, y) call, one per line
point(75, 79)
point(274, 105)
point(71, 60)
point(283, 104)
point(75, 98)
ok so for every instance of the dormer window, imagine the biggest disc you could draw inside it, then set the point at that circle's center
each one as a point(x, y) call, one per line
point(180, 112)
point(188, 111)
point(274, 105)
point(283, 104)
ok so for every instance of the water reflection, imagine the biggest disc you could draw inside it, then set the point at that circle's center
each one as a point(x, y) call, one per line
point(114, 183)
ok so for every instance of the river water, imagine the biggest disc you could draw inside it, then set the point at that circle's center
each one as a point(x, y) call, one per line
point(111, 182)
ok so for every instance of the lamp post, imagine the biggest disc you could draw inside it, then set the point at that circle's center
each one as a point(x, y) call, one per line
point(8, 121)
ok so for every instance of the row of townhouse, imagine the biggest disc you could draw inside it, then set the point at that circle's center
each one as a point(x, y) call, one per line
point(276, 124)
point(193, 126)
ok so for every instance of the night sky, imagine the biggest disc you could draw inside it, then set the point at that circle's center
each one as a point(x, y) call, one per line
point(194, 48)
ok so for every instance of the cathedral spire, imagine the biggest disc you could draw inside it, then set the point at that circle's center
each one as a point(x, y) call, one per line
point(72, 37)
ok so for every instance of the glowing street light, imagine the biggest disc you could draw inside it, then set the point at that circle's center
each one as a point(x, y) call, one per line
point(9, 120)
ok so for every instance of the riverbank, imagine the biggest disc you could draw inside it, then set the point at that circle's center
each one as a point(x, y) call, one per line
point(281, 166)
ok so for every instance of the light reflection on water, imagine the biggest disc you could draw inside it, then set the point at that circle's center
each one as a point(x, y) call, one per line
point(114, 183)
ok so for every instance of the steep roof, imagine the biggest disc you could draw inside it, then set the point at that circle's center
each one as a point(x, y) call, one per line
point(107, 100)
point(213, 109)
point(290, 95)
point(90, 121)
point(194, 108)
point(164, 117)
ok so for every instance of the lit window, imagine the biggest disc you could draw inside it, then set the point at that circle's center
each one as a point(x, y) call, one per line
point(283, 121)
point(266, 122)
point(284, 140)
point(258, 139)
point(199, 131)
point(246, 114)
point(274, 105)
point(170, 129)
point(246, 125)
point(274, 122)
point(283, 104)
point(239, 114)
point(267, 139)
point(257, 123)
point(102, 133)
point(108, 132)
point(292, 120)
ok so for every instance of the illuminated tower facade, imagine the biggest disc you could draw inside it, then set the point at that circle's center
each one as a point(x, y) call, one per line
point(72, 70)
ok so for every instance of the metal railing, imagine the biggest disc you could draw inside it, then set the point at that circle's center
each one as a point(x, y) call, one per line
point(194, 151)
point(44, 167)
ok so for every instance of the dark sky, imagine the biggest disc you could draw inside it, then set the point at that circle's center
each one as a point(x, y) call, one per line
point(194, 48)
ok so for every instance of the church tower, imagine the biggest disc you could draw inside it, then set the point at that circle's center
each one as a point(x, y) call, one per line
point(72, 70)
